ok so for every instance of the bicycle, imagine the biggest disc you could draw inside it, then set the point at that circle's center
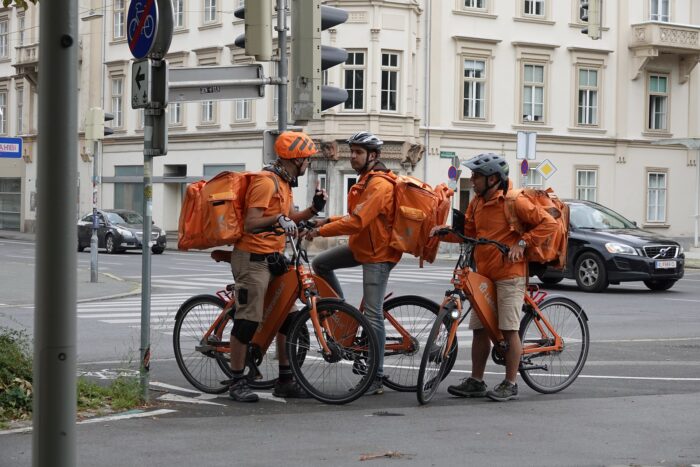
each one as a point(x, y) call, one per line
point(325, 339)
point(553, 330)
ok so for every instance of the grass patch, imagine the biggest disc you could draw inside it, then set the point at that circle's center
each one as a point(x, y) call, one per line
point(16, 391)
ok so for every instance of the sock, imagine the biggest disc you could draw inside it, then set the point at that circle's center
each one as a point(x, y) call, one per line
point(237, 374)
point(285, 373)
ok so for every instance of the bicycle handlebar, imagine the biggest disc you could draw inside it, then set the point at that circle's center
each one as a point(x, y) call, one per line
point(275, 229)
point(474, 241)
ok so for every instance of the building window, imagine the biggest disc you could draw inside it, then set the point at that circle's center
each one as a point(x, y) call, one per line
point(348, 181)
point(658, 102)
point(534, 179)
point(659, 10)
point(533, 93)
point(586, 184)
point(355, 81)
point(179, 13)
point(4, 38)
point(129, 195)
point(3, 112)
point(209, 11)
point(118, 19)
point(474, 88)
point(20, 111)
point(208, 111)
point(587, 96)
point(656, 197)
point(322, 179)
point(243, 110)
point(534, 8)
point(117, 102)
point(475, 4)
point(10, 203)
point(390, 81)
point(175, 114)
point(20, 28)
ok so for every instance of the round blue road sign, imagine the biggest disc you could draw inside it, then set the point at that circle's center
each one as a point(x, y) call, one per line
point(524, 167)
point(142, 30)
point(452, 172)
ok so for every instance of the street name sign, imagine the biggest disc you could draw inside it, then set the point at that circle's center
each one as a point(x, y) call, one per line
point(11, 148)
point(141, 83)
point(216, 83)
point(447, 154)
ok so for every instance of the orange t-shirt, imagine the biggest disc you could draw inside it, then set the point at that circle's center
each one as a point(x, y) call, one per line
point(487, 219)
point(263, 193)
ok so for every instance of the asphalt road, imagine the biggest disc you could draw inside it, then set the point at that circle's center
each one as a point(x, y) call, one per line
point(635, 403)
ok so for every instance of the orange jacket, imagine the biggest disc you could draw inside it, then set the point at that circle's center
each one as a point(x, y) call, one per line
point(487, 219)
point(369, 219)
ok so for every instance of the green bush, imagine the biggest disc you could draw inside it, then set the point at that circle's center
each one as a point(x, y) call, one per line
point(15, 375)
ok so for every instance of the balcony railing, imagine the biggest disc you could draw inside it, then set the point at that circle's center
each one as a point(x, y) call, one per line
point(648, 40)
point(27, 55)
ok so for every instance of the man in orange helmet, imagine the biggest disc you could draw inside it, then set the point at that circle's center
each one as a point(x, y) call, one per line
point(268, 201)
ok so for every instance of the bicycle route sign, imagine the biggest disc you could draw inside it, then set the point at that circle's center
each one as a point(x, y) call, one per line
point(150, 28)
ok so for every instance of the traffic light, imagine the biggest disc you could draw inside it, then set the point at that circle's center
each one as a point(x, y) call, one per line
point(257, 39)
point(591, 14)
point(95, 128)
point(310, 58)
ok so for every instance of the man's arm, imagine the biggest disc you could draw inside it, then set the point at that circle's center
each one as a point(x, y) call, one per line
point(544, 225)
point(373, 201)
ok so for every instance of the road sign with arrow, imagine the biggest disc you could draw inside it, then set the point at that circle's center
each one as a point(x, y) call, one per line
point(141, 84)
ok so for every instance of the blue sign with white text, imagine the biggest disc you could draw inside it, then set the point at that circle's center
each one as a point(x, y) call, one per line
point(11, 148)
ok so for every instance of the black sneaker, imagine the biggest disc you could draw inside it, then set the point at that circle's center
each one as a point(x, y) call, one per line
point(240, 391)
point(469, 387)
point(376, 388)
point(505, 391)
point(289, 390)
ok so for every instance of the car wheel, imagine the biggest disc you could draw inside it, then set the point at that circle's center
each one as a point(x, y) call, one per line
point(663, 284)
point(591, 275)
point(157, 250)
point(549, 280)
point(109, 245)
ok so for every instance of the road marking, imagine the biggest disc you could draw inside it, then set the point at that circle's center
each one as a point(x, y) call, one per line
point(667, 339)
point(633, 378)
point(682, 300)
point(188, 400)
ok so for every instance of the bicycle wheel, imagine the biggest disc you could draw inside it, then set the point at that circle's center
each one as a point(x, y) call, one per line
point(203, 368)
point(416, 315)
point(333, 378)
point(550, 372)
point(434, 364)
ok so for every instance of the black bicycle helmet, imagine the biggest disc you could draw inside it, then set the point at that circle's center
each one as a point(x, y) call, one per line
point(367, 140)
point(488, 164)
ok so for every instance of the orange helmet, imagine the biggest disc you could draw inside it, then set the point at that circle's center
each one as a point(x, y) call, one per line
point(294, 144)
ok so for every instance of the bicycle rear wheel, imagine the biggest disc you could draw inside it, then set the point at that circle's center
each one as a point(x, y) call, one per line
point(436, 360)
point(202, 366)
point(550, 372)
point(333, 378)
point(416, 315)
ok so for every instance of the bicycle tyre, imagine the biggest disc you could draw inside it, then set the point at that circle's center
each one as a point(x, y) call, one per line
point(416, 314)
point(333, 379)
point(204, 371)
point(561, 368)
point(433, 370)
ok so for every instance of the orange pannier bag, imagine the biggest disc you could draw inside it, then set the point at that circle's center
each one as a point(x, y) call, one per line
point(553, 251)
point(213, 211)
point(417, 209)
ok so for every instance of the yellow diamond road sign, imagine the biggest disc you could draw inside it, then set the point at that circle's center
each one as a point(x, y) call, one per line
point(546, 168)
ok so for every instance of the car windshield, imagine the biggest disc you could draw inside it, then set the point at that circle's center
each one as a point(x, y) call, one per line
point(585, 216)
point(124, 217)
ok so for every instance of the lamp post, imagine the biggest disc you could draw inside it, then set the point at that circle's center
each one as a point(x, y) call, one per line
point(690, 143)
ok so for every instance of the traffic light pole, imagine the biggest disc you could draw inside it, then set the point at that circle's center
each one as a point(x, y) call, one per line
point(282, 9)
point(95, 225)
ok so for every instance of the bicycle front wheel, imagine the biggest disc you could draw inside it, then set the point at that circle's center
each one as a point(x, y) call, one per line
point(437, 360)
point(199, 362)
point(416, 315)
point(343, 374)
point(550, 372)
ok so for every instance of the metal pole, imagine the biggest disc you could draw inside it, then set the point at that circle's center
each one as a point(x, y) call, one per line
point(146, 255)
point(54, 385)
point(282, 8)
point(93, 238)
point(697, 198)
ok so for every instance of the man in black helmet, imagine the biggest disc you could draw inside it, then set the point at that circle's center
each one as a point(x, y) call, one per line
point(486, 218)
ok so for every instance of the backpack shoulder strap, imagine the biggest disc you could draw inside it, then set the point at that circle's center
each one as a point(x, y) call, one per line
point(509, 209)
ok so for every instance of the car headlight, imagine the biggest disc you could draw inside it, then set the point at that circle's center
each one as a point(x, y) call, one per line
point(680, 249)
point(620, 249)
point(124, 233)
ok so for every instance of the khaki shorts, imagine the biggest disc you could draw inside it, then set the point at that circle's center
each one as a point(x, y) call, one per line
point(252, 279)
point(509, 296)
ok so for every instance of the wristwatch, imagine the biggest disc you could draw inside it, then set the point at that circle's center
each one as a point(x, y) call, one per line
point(522, 243)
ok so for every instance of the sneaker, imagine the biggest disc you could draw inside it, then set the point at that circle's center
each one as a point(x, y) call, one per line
point(289, 390)
point(503, 392)
point(469, 387)
point(240, 391)
point(376, 388)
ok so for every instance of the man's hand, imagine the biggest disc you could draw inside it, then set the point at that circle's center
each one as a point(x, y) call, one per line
point(320, 198)
point(516, 253)
point(435, 229)
point(290, 228)
point(311, 234)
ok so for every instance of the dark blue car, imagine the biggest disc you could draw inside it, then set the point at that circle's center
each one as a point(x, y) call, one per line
point(119, 230)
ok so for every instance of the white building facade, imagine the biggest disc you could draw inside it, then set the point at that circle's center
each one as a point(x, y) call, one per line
point(428, 77)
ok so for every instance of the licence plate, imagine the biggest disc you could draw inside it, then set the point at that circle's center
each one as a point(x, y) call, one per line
point(666, 264)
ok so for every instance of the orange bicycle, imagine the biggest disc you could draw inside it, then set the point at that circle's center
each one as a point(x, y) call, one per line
point(553, 330)
point(327, 340)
